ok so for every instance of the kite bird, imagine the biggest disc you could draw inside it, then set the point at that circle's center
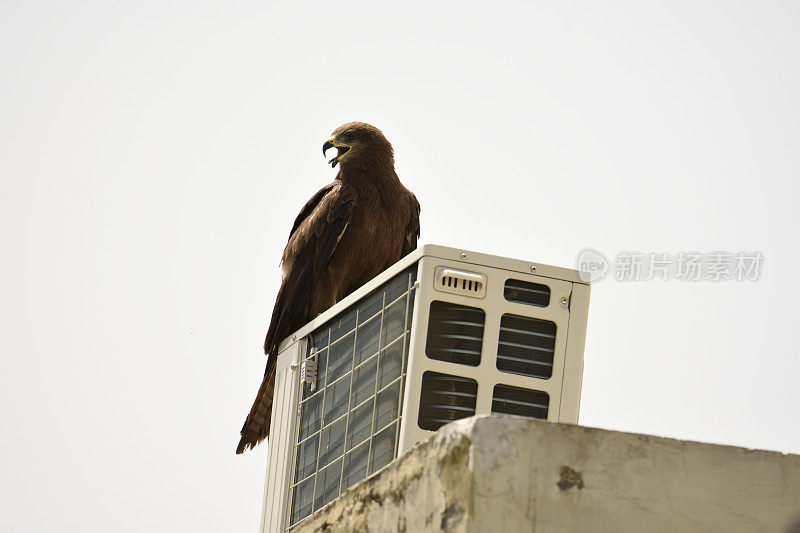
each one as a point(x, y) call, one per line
point(347, 233)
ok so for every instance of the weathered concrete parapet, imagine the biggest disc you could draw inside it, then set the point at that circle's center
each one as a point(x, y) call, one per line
point(487, 474)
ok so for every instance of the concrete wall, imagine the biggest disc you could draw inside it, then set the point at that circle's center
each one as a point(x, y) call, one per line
point(487, 474)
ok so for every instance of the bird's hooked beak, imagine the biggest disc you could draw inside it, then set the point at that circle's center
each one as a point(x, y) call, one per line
point(340, 146)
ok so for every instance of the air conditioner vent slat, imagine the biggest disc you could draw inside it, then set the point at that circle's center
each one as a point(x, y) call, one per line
point(459, 323)
point(524, 361)
point(524, 324)
point(464, 337)
point(450, 396)
point(522, 404)
point(522, 332)
point(511, 345)
point(453, 355)
point(469, 411)
point(526, 346)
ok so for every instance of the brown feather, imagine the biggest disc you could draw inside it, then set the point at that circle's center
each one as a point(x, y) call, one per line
point(348, 233)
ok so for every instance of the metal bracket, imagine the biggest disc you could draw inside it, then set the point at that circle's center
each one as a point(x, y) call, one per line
point(308, 371)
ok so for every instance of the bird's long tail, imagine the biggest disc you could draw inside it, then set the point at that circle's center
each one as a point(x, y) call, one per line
point(256, 426)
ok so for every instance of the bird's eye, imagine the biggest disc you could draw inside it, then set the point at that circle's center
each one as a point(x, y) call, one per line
point(349, 137)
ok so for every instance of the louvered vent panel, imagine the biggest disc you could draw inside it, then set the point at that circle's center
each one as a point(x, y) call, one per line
point(461, 282)
point(455, 333)
point(445, 398)
point(518, 401)
point(528, 293)
point(526, 346)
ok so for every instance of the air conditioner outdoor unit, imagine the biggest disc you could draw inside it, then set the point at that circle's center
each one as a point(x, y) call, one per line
point(485, 334)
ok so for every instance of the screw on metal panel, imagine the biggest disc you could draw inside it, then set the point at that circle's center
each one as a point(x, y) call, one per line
point(293, 366)
point(463, 255)
point(564, 300)
point(533, 268)
point(294, 337)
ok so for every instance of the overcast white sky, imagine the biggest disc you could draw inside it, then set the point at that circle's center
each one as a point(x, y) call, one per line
point(153, 156)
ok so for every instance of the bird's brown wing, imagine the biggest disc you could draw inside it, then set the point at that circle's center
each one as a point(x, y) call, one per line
point(316, 232)
point(310, 206)
point(412, 230)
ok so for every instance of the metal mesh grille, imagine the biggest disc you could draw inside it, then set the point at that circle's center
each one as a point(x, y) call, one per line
point(445, 398)
point(455, 333)
point(525, 292)
point(518, 401)
point(348, 425)
point(526, 346)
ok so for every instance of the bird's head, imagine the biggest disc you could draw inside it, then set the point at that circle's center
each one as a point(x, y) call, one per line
point(359, 144)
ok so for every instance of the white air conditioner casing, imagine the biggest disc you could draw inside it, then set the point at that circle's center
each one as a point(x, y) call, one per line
point(382, 379)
